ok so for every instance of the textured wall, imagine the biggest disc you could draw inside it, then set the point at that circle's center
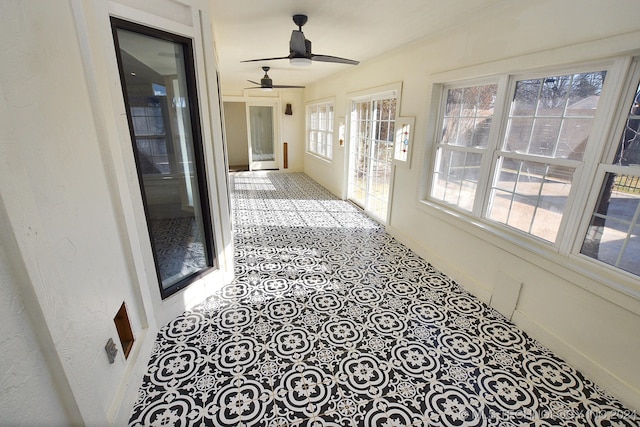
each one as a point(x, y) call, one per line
point(27, 391)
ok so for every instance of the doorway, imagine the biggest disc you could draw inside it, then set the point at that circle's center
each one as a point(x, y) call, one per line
point(158, 80)
point(371, 136)
point(237, 137)
point(252, 133)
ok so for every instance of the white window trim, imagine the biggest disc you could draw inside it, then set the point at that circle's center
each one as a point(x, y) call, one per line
point(562, 258)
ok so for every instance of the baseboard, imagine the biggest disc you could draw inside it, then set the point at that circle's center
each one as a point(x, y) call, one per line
point(615, 385)
point(128, 391)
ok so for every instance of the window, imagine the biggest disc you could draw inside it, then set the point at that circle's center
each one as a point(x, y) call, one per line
point(320, 129)
point(158, 81)
point(546, 135)
point(522, 153)
point(613, 234)
point(462, 144)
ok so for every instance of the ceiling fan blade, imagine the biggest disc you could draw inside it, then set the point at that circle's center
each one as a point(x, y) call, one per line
point(328, 58)
point(286, 86)
point(266, 59)
point(297, 45)
point(255, 83)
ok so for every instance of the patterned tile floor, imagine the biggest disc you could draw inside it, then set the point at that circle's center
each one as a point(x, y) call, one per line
point(331, 322)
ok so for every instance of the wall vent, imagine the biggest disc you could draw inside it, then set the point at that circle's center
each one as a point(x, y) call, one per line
point(123, 327)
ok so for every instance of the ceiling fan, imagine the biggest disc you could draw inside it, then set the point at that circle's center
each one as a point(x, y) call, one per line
point(300, 49)
point(267, 84)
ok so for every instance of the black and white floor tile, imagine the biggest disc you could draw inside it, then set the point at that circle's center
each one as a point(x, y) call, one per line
point(331, 322)
point(178, 246)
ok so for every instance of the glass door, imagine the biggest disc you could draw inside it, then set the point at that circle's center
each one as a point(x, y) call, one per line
point(262, 131)
point(158, 81)
point(371, 142)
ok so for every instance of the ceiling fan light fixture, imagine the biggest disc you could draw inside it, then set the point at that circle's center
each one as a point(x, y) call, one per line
point(266, 89)
point(300, 62)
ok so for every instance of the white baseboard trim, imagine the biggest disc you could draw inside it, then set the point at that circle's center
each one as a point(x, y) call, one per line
point(128, 391)
point(597, 373)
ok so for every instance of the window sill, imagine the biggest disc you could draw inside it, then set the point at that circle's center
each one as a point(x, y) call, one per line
point(319, 157)
point(618, 287)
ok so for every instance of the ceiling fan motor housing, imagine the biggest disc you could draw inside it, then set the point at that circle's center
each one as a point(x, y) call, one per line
point(300, 20)
point(300, 49)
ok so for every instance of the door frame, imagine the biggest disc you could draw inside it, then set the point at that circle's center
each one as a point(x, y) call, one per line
point(270, 164)
point(392, 88)
point(277, 122)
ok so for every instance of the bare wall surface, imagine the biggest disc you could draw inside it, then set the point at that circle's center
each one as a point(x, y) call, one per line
point(235, 123)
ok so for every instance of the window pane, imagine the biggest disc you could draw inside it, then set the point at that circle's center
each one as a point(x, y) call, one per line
point(518, 134)
point(613, 236)
point(330, 118)
point(454, 103)
point(553, 96)
point(573, 138)
point(456, 178)
point(629, 148)
point(526, 97)
point(585, 93)
point(468, 115)
point(530, 196)
point(544, 137)
point(538, 122)
point(450, 130)
point(262, 143)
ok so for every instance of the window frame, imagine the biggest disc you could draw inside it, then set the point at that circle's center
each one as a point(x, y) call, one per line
point(483, 176)
point(587, 180)
point(605, 162)
point(199, 158)
point(328, 133)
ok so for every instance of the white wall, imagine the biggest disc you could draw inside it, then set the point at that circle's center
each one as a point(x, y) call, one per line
point(74, 239)
point(590, 324)
point(293, 128)
point(29, 374)
point(235, 124)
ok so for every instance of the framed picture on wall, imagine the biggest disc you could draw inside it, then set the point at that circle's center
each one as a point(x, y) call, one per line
point(402, 141)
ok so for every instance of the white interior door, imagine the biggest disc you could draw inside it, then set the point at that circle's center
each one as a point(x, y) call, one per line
point(263, 134)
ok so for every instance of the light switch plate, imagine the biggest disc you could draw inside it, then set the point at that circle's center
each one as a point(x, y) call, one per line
point(111, 350)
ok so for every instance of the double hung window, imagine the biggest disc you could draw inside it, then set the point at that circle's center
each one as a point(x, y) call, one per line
point(320, 129)
point(464, 140)
point(522, 153)
point(613, 233)
point(547, 130)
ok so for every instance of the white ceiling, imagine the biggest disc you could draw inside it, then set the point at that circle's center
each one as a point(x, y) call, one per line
point(354, 29)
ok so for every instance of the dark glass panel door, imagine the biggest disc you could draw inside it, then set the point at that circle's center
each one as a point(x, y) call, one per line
point(158, 80)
